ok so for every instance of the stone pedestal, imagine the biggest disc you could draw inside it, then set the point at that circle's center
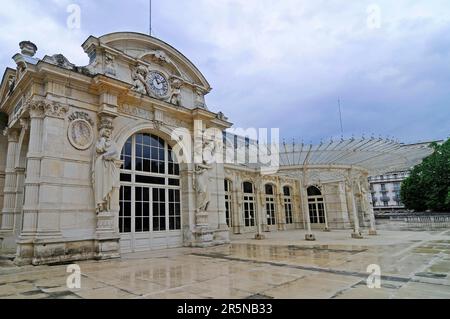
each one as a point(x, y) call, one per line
point(107, 248)
point(107, 239)
point(222, 235)
point(203, 237)
point(260, 237)
point(310, 237)
point(357, 235)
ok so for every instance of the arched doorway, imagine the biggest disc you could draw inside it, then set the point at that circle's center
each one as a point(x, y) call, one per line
point(150, 203)
point(316, 207)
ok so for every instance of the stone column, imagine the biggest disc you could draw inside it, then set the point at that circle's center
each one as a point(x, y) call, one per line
point(327, 228)
point(25, 249)
point(280, 209)
point(356, 231)
point(260, 209)
point(304, 199)
point(41, 239)
point(296, 207)
point(369, 209)
point(7, 213)
point(20, 180)
point(236, 198)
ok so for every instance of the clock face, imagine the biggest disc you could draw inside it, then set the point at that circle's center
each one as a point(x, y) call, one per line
point(158, 84)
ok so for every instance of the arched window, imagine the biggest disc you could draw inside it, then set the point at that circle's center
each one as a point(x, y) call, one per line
point(316, 205)
point(314, 191)
point(287, 199)
point(270, 204)
point(249, 204)
point(228, 201)
point(149, 193)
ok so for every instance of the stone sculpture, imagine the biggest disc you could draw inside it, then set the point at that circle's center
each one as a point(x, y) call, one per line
point(106, 173)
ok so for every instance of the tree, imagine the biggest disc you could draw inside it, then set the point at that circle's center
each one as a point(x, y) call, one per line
point(428, 186)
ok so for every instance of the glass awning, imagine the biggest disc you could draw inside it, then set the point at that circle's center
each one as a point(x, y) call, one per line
point(376, 155)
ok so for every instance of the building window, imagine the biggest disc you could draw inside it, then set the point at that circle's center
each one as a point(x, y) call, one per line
point(150, 186)
point(288, 204)
point(249, 204)
point(125, 209)
point(383, 187)
point(270, 205)
point(228, 202)
point(316, 205)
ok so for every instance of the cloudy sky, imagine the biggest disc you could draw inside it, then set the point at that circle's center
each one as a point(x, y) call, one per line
point(280, 63)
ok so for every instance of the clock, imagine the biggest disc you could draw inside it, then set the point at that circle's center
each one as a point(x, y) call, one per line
point(158, 84)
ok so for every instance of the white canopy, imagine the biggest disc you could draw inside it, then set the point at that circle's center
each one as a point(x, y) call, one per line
point(376, 155)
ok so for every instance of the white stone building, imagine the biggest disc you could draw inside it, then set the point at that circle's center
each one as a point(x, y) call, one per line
point(121, 156)
point(385, 190)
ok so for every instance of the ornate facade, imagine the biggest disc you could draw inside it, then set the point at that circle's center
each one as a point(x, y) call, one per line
point(90, 164)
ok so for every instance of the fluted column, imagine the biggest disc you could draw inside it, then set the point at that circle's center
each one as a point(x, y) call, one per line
point(31, 205)
point(7, 213)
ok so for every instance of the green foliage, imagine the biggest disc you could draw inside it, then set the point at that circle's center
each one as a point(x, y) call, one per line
point(428, 186)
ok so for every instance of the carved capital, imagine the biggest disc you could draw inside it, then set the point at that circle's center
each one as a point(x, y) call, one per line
point(39, 109)
point(12, 134)
point(55, 109)
point(35, 108)
point(25, 124)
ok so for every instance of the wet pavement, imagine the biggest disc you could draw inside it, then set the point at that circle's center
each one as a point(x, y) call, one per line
point(412, 265)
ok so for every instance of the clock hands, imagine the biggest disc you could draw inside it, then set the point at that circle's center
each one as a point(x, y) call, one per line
point(158, 83)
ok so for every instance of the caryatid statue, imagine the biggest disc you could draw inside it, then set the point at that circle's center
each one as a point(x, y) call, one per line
point(201, 182)
point(105, 172)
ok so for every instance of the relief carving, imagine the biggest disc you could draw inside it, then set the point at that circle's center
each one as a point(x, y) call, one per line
point(110, 65)
point(44, 108)
point(80, 132)
point(139, 76)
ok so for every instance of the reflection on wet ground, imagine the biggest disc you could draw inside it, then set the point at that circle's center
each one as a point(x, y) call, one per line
point(412, 264)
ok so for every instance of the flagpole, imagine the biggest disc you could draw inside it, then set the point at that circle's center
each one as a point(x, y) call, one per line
point(150, 18)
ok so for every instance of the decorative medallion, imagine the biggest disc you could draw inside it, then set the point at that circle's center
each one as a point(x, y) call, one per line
point(80, 132)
